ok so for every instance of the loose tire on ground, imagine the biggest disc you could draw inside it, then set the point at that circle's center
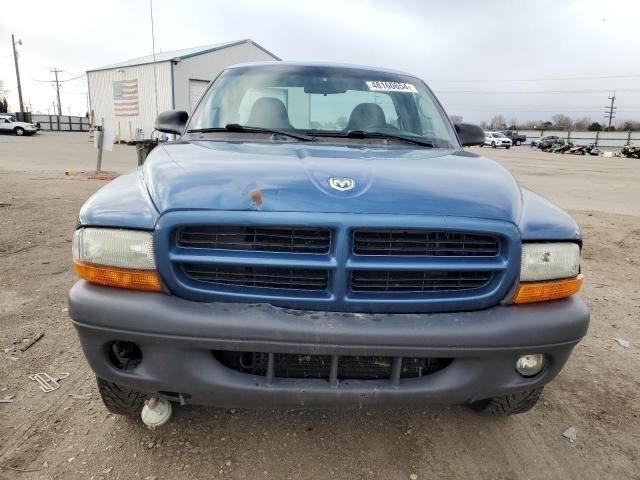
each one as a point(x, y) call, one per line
point(511, 404)
point(119, 399)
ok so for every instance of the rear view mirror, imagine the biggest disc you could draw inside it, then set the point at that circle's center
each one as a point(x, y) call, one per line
point(172, 121)
point(469, 134)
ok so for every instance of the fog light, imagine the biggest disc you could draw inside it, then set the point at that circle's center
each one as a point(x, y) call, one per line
point(530, 365)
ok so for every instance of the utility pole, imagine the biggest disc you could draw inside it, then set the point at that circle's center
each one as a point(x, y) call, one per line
point(15, 60)
point(610, 110)
point(55, 71)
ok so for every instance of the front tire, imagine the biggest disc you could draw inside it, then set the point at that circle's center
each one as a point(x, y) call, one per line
point(508, 147)
point(119, 399)
point(505, 405)
point(19, 131)
point(518, 143)
point(493, 145)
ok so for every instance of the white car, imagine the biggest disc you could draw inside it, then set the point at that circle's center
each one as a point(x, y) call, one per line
point(496, 139)
point(9, 124)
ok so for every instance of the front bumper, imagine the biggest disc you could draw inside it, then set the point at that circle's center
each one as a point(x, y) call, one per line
point(177, 338)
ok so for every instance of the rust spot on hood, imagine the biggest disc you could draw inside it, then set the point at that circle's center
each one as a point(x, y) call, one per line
point(256, 198)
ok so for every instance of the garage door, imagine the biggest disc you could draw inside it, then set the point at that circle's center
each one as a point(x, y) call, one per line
point(196, 89)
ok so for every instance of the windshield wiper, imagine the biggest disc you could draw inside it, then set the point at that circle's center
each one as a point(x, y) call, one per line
point(236, 127)
point(395, 136)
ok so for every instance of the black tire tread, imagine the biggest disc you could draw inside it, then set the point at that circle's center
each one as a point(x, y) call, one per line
point(119, 399)
point(510, 404)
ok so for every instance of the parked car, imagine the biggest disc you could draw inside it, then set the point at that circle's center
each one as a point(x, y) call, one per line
point(9, 124)
point(496, 140)
point(268, 259)
point(546, 141)
point(516, 138)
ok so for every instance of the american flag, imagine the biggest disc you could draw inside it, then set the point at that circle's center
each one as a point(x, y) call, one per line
point(125, 97)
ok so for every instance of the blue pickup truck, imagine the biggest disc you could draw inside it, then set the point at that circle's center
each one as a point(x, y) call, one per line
point(317, 236)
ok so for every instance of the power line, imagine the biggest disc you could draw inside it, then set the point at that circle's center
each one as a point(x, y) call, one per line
point(60, 81)
point(531, 92)
point(556, 79)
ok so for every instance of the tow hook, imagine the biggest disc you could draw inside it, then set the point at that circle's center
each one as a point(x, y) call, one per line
point(156, 412)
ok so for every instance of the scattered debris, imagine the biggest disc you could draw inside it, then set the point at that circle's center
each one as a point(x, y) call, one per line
point(107, 470)
point(80, 397)
point(571, 433)
point(622, 342)
point(7, 399)
point(46, 382)
point(413, 476)
point(32, 342)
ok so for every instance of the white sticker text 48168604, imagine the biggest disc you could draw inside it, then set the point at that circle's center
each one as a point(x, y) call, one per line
point(376, 86)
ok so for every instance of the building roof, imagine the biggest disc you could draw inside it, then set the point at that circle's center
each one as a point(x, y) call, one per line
point(182, 54)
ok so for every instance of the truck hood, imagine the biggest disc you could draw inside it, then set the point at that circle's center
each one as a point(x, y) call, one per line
point(294, 177)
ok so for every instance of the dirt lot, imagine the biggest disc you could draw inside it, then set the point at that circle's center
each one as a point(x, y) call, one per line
point(68, 434)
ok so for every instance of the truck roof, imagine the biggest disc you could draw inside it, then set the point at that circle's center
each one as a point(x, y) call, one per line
point(344, 66)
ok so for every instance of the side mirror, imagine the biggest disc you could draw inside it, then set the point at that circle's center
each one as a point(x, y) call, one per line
point(469, 134)
point(172, 121)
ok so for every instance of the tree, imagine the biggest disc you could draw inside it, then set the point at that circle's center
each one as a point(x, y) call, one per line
point(484, 125)
point(582, 124)
point(4, 103)
point(595, 127)
point(456, 118)
point(562, 122)
point(498, 123)
point(630, 125)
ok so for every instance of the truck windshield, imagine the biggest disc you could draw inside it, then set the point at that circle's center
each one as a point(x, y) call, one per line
point(324, 102)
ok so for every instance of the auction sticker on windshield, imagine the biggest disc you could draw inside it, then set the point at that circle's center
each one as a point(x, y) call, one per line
point(391, 87)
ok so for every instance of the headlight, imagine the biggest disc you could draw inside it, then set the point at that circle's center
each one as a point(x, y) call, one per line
point(548, 271)
point(549, 261)
point(116, 258)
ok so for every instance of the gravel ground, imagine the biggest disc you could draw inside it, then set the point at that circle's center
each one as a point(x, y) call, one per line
point(68, 434)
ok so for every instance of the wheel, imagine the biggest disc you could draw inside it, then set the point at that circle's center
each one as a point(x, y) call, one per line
point(511, 404)
point(119, 399)
point(518, 143)
point(493, 144)
point(19, 131)
point(481, 145)
point(508, 147)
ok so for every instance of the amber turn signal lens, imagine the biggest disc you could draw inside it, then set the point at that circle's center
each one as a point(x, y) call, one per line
point(529, 292)
point(146, 280)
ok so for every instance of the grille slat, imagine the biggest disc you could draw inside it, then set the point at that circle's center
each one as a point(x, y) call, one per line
point(423, 243)
point(262, 239)
point(290, 365)
point(265, 277)
point(421, 281)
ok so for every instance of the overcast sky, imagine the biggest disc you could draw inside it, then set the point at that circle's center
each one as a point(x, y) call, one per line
point(480, 57)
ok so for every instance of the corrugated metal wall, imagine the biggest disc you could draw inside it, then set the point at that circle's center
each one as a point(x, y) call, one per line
point(101, 98)
point(613, 140)
point(207, 67)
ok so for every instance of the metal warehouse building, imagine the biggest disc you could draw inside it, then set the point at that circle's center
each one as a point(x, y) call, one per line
point(124, 95)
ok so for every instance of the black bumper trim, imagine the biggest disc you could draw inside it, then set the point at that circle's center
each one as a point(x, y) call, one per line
point(177, 336)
